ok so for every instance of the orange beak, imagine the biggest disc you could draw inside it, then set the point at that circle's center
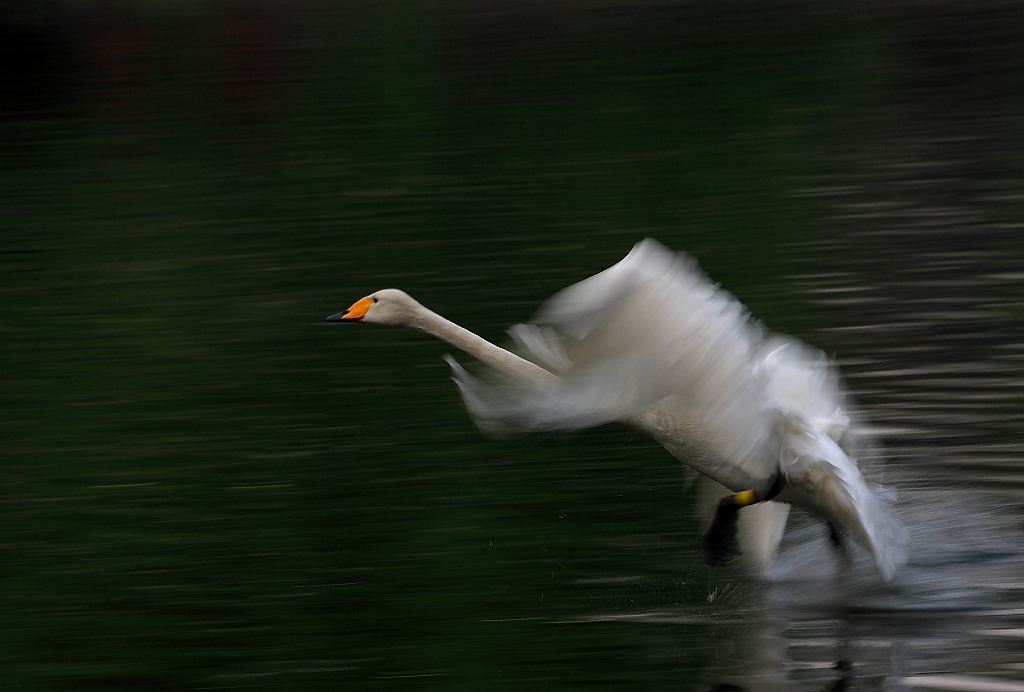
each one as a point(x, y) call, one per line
point(354, 313)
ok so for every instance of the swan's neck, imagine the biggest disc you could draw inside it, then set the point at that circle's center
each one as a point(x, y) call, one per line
point(505, 362)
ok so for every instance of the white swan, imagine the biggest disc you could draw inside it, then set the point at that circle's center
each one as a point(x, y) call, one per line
point(650, 342)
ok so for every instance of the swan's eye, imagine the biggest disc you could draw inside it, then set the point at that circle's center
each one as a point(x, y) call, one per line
point(375, 299)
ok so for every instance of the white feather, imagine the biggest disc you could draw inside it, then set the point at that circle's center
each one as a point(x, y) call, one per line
point(653, 343)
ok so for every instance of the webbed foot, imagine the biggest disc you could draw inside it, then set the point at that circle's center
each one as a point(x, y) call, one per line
point(838, 543)
point(720, 543)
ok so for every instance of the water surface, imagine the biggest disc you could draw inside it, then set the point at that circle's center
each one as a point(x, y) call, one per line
point(207, 487)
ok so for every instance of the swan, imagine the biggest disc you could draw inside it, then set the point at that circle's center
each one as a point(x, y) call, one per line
point(652, 343)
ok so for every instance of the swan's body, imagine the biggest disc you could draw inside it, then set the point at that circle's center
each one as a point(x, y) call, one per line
point(653, 344)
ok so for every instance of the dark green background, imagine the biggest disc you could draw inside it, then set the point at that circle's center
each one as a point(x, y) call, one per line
point(204, 486)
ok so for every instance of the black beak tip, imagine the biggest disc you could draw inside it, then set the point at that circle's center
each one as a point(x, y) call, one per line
point(337, 317)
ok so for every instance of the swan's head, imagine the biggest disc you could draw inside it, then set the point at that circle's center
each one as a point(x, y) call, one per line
point(388, 306)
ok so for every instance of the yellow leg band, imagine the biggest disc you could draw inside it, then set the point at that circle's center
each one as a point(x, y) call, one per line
point(745, 497)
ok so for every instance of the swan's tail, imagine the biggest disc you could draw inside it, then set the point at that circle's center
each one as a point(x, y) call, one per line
point(829, 481)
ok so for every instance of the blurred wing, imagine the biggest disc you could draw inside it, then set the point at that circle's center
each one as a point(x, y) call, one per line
point(816, 435)
point(829, 481)
point(650, 327)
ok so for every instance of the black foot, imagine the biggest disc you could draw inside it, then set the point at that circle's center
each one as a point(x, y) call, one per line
point(835, 537)
point(720, 544)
